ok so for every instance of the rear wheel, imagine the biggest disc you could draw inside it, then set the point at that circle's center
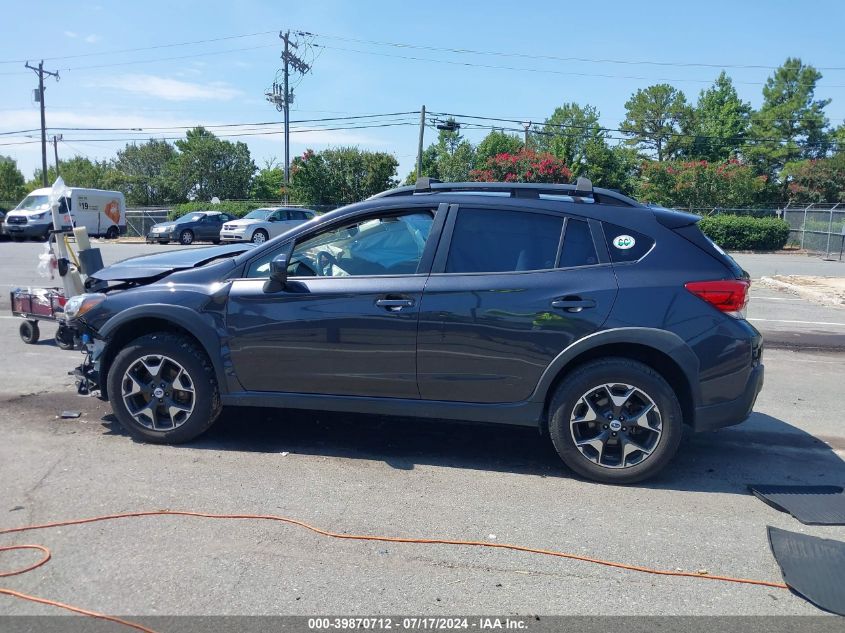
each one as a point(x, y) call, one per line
point(260, 236)
point(64, 337)
point(615, 420)
point(112, 233)
point(186, 237)
point(162, 389)
point(29, 332)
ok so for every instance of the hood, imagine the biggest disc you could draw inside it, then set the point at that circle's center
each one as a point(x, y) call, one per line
point(153, 267)
point(243, 222)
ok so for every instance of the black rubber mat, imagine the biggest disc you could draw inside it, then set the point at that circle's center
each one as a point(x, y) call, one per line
point(812, 505)
point(812, 567)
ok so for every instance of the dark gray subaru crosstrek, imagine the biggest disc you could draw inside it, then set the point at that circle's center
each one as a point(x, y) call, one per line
point(604, 323)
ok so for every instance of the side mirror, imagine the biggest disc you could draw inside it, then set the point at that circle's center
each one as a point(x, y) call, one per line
point(278, 271)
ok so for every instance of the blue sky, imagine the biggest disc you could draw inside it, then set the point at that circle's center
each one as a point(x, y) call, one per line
point(220, 83)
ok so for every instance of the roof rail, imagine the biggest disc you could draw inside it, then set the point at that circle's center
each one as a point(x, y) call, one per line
point(582, 189)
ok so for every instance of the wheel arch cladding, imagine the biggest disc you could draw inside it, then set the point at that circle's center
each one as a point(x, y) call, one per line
point(663, 351)
point(134, 323)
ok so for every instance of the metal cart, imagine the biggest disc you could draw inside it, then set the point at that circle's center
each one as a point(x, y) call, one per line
point(41, 304)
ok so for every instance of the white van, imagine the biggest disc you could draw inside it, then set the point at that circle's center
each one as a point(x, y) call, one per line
point(103, 213)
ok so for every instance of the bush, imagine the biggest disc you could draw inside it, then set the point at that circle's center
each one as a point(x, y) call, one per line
point(745, 233)
point(238, 209)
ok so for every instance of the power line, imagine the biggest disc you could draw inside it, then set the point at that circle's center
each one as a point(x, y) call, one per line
point(232, 135)
point(468, 51)
point(143, 48)
point(540, 70)
point(158, 59)
point(727, 139)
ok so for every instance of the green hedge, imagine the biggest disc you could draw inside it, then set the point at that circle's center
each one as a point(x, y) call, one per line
point(238, 209)
point(745, 233)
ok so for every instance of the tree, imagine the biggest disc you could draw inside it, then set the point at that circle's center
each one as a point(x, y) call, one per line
point(450, 159)
point(700, 184)
point(12, 183)
point(656, 119)
point(569, 132)
point(78, 171)
point(614, 167)
point(496, 142)
point(791, 124)
point(341, 176)
point(817, 180)
point(143, 173)
point(720, 122)
point(207, 166)
point(269, 182)
point(526, 165)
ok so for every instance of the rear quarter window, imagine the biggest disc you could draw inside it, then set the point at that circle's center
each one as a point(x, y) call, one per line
point(624, 244)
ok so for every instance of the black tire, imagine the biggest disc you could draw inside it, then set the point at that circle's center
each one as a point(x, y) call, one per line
point(164, 242)
point(615, 371)
point(113, 233)
point(216, 240)
point(29, 332)
point(196, 364)
point(64, 337)
point(263, 236)
point(186, 237)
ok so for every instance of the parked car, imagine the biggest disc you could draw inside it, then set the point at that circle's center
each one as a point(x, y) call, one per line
point(102, 212)
point(3, 234)
point(190, 228)
point(260, 225)
point(603, 323)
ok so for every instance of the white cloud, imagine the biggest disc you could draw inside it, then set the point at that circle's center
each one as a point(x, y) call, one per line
point(170, 89)
point(92, 39)
point(70, 34)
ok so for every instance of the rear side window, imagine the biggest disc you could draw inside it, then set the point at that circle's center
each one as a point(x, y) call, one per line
point(492, 241)
point(578, 248)
point(626, 245)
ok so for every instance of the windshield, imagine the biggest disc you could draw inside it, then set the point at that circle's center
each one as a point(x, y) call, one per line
point(258, 214)
point(193, 217)
point(34, 203)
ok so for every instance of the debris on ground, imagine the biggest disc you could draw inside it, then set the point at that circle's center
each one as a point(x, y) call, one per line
point(829, 291)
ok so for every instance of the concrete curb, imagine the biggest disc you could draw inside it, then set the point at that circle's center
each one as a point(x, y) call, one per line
point(818, 296)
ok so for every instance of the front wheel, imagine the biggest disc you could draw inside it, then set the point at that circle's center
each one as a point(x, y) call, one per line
point(186, 237)
point(615, 421)
point(162, 389)
point(260, 236)
point(65, 338)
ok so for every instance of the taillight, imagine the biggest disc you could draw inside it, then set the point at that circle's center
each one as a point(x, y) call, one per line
point(729, 297)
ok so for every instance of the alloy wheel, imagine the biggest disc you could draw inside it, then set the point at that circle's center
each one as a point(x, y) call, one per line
point(616, 425)
point(158, 392)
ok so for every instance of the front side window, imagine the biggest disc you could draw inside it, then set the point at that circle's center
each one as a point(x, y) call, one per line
point(382, 245)
point(493, 241)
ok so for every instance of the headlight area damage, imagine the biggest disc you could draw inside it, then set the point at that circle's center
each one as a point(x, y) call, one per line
point(90, 312)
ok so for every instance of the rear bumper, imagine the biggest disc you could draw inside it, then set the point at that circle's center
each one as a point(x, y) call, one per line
point(732, 412)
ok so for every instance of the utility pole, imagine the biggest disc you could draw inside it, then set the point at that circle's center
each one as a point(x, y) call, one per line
point(527, 126)
point(56, 139)
point(420, 146)
point(282, 96)
point(41, 72)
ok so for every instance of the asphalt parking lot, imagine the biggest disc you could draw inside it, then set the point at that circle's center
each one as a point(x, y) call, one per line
point(364, 474)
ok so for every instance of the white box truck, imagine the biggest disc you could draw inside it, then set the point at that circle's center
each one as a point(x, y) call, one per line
point(103, 213)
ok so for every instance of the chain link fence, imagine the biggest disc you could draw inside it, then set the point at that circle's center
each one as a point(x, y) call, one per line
point(818, 228)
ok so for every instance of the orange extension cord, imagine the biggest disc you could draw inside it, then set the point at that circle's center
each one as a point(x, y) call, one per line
point(321, 532)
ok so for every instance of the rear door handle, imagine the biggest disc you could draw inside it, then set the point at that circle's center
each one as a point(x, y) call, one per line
point(573, 304)
point(394, 305)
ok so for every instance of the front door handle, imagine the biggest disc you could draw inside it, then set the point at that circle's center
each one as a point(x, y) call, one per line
point(573, 304)
point(394, 305)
